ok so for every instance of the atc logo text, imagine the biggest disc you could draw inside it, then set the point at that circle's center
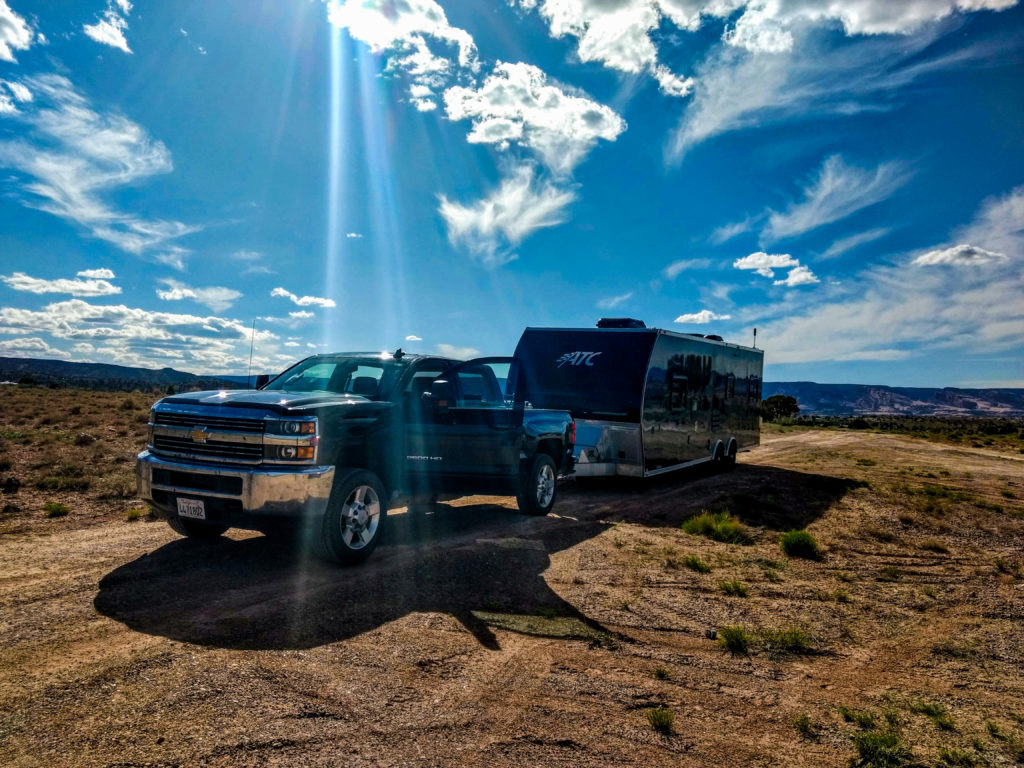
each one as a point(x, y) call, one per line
point(577, 358)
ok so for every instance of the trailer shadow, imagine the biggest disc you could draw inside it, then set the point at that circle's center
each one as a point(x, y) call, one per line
point(261, 593)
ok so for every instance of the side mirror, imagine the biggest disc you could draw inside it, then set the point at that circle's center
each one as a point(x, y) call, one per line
point(262, 380)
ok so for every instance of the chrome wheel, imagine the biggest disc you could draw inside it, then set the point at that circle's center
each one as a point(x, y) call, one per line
point(360, 517)
point(545, 485)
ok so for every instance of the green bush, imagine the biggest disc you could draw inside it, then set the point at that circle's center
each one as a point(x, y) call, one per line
point(958, 757)
point(55, 509)
point(694, 563)
point(805, 727)
point(865, 720)
point(800, 544)
point(788, 640)
point(734, 639)
point(719, 526)
point(734, 588)
point(661, 719)
point(880, 750)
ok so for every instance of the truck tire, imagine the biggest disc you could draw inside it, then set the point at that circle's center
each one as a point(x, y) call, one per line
point(537, 487)
point(193, 529)
point(354, 520)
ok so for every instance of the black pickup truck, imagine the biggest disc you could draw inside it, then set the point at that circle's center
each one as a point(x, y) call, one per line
point(331, 443)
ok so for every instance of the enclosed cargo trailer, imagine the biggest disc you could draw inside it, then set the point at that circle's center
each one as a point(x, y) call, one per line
point(645, 400)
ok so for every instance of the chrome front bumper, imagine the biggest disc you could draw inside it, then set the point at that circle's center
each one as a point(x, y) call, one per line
point(298, 491)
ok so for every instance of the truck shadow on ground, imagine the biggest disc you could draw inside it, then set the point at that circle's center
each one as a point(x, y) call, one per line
point(261, 593)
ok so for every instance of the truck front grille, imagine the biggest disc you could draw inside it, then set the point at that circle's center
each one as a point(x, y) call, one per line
point(224, 423)
point(244, 453)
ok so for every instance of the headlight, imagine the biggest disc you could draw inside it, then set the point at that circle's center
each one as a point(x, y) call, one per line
point(299, 427)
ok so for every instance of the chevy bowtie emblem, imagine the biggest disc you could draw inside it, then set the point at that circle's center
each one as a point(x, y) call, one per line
point(199, 435)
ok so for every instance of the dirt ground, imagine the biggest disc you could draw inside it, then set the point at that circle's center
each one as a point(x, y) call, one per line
point(480, 637)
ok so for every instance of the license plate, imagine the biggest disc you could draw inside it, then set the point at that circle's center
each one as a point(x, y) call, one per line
point(191, 508)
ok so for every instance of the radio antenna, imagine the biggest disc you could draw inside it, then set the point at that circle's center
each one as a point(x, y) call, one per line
point(252, 342)
point(755, 338)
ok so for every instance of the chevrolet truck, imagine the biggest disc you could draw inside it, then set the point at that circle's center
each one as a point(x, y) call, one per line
point(334, 441)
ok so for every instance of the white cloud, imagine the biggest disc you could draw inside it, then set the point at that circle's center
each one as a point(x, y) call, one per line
point(216, 298)
point(10, 93)
point(71, 156)
point(301, 314)
point(673, 270)
point(459, 353)
point(110, 29)
point(246, 255)
point(998, 226)
point(413, 337)
point(835, 192)
point(894, 312)
point(15, 33)
point(765, 263)
point(354, 235)
point(960, 255)
point(31, 346)
point(303, 301)
point(798, 276)
point(135, 336)
point(701, 318)
point(100, 274)
point(19, 281)
point(613, 301)
point(844, 244)
point(491, 227)
point(735, 89)
point(292, 344)
point(615, 34)
point(517, 104)
point(411, 32)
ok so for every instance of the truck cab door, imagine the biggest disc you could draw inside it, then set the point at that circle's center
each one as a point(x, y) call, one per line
point(480, 431)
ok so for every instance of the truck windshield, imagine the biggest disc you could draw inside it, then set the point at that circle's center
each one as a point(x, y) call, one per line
point(366, 376)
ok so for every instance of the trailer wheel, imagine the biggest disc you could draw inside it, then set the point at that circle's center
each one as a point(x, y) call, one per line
point(718, 455)
point(730, 455)
point(354, 520)
point(193, 529)
point(538, 486)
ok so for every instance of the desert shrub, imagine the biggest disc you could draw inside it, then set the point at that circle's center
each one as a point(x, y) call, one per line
point(934, 712)
point(118, 487)
point(5, 465)
point(661, 719)
point(866, 462)
point(865, 720)
point(890, 573)
point(841, 596)
point(734, 588)
point(880, 750)
point(934, 545)
point(800, 544)
point(787, 640)
point(958, 757)
point(55, 509)
point(719, 526)
point(734, 639)
point(805, 727)
point(694, 563)
point(660, 673)
point(129, 404)
point(134, 514)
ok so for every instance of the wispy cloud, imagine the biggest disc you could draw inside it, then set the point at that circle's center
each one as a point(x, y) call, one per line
point(215, 297)
point(413, 337)
point(491, 228)
point(353, 236)
point(849, 243)
point(701, 318)
point(71, 156)
point(959, 255)
point(303, 301)
point(110, 28)
point(611, 302)
point(91, 286)
point(737, 89)
point(676, 268)
point(459, 353)
point(836, 191)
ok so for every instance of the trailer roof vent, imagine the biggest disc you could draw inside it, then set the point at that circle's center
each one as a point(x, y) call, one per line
point(620, 322)
point(713, 337)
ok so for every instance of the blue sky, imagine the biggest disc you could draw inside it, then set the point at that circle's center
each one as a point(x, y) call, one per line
point(847, 177)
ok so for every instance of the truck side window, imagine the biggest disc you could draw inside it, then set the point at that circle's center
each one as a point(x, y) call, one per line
point(675, 392)
point(480, 385)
